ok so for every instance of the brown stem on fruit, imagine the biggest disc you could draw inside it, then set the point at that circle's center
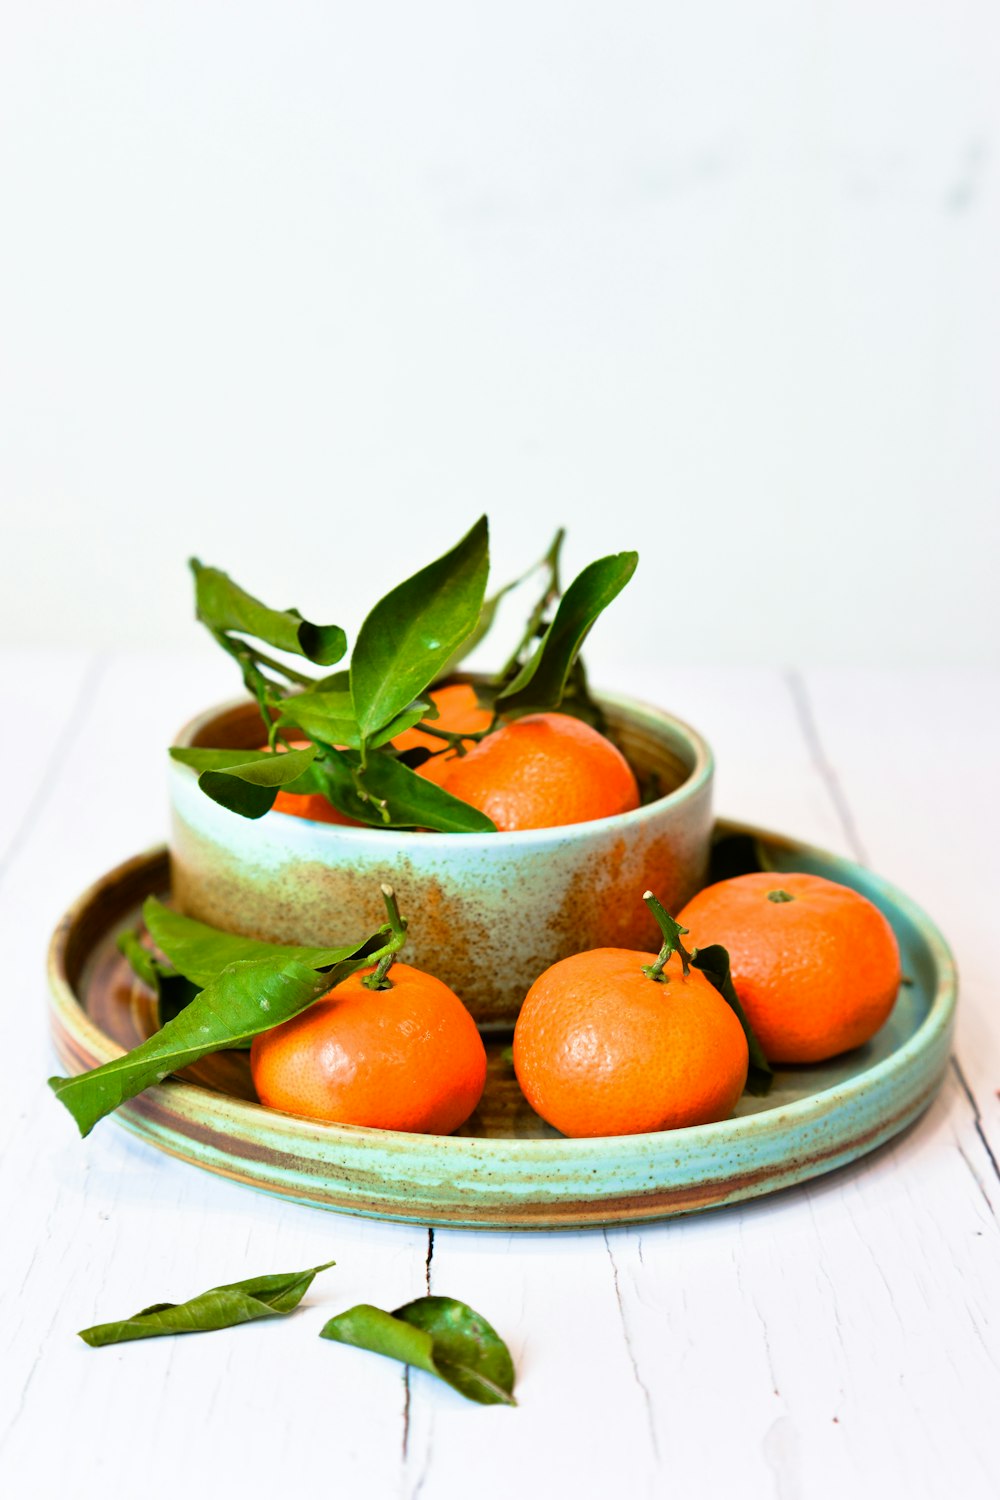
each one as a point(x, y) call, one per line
point(671, 941)
point(779, 896)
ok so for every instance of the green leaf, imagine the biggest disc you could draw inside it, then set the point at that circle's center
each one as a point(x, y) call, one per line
point(406, 799)
point(437, 1334)
point(324, 717)
point(245, 999)
point(336, 682)
point(222, 1307)
point(550, 562)
point(202, 953)
point(328, 717)
point(414, 713)
point(172, 989)
point(245, 781)
point(713, 962)
point(542, 680)
point(222, 605)
point(414, 629)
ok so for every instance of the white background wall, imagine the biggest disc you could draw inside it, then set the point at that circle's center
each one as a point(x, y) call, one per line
point(303, 287)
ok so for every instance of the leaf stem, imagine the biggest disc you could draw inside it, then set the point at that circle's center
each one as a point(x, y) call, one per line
point(550, 594)
point(384, 957)
point(302, 678)
point(671, 941)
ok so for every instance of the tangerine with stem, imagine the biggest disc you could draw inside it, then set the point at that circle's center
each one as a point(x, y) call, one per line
point(618, 1042)
point(389, 1047)
point(815, 964)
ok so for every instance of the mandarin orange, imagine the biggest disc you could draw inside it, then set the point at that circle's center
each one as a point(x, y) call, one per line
point(459, 712)
point(543, 771)
point(602, 1049)
point(815, 964)
point(404, 1058)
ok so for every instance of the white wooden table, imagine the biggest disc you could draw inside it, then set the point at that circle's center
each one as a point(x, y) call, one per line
point(840, 1338)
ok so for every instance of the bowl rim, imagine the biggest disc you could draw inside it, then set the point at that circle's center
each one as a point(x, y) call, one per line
point(307, 831)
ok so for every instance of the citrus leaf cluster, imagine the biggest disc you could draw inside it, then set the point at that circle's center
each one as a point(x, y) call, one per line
point(243, 987)
point(414, 636)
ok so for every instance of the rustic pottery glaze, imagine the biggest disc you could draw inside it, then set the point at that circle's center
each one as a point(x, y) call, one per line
point(487, 912)
point(507, 1169)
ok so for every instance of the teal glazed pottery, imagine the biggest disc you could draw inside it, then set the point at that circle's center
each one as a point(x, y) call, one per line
point(507, 1169)
point(487, 912)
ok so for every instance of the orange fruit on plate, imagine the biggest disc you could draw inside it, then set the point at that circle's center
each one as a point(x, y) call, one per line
point(459, 712)
point(601, 1049)
point(311, 805)
point(404, 1058)
point(815, 964)
point(543, 771)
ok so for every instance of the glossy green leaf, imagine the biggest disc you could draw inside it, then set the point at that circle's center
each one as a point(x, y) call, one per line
point(406, 799)
point(244, 1000)
point(487, 615)
point(245, 781)
point(222, 1307)
point(172, 989)
point(222, 605)
point(410, 634)
point(414, 713)
point(336, 682)
point(437, 1334)
point(542, 680)
point(328, 717)
point(713, 962)
point(202, 953)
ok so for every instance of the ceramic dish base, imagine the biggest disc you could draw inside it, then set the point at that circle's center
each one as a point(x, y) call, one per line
point(507, 1169)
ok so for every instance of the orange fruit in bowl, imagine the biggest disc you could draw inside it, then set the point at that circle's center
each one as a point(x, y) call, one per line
point(459, 712)
point(404, 1058)
point(543, 771)
point(815, 964)
point(602, 1049)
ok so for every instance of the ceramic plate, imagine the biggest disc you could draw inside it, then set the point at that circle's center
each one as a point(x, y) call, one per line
point(507, 1169)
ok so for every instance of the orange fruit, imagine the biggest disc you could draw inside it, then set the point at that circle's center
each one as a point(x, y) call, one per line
point(601, 1049)
point(815, 964)
point(405, 1058)
point(459, 713)
point(543, 771)
point(311, 805)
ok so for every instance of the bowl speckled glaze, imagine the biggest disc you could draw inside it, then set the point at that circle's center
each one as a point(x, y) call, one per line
point(487, 912)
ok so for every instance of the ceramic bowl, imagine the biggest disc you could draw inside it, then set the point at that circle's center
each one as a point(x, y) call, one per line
point(487, 912)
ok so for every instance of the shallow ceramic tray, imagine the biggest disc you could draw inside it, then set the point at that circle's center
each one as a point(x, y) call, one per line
point(507, 1169)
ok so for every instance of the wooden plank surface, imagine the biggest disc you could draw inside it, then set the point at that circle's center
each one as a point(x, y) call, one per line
point(841, 1334)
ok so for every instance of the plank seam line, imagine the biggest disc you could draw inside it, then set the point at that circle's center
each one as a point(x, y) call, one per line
point(643, 1387)
point(406, 1411)
point(823, 765)
point(977, 1120)
point(407, 1388)
point(810, 730)
point(77, 715)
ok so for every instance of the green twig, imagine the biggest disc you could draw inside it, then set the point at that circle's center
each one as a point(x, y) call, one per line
point(385, 957)
point(671, 941)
